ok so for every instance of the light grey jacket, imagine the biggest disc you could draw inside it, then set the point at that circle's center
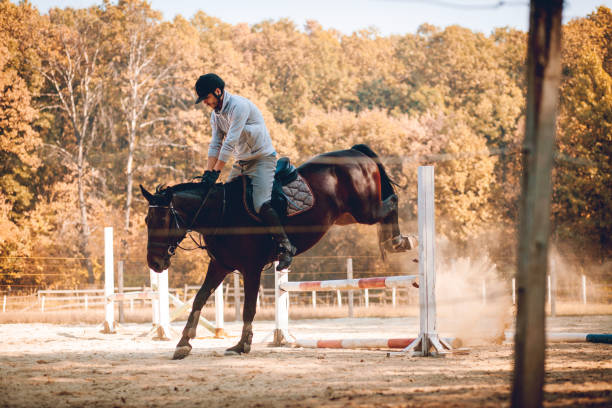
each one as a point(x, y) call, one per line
point(238, 129)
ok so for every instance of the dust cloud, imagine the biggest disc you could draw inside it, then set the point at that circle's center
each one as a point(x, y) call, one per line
point(473, 302)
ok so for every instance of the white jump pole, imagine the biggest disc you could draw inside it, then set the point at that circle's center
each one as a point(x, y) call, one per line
point(154, 301)
point(349, 275)
point(428, 336)
point(109, 282)
point(393, 296)
point(366, 295)
point(314, 299)
point(237, 297)
point(219, 306)
point(584, 292)
point(161, 304)
point(281, 308)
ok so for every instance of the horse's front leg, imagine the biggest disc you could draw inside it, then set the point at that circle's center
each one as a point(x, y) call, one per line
point(251, 288)
point(214, 276)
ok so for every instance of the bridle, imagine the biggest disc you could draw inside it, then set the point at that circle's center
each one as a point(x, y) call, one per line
point(175, 224)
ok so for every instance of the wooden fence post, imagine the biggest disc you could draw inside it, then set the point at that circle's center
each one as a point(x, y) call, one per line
point(543, 77)
point(120, 288)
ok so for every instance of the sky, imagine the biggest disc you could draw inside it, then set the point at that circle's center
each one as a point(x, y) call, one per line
point(348, 16)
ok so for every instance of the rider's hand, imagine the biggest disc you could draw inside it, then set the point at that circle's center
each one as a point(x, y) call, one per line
point(210, 177)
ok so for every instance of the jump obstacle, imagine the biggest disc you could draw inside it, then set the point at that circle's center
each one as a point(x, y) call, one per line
point(159, 296)
point(428, 342)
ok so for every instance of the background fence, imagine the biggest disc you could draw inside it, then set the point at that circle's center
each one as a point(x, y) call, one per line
point(578, 289)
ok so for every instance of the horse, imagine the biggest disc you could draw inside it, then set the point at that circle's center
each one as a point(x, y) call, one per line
point(348, 186)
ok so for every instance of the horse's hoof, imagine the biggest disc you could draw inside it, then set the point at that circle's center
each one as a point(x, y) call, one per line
point(237, 350)
point(403, 243)
point(181, 352)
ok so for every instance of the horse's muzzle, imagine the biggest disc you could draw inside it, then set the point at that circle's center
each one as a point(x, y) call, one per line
point(157, 263)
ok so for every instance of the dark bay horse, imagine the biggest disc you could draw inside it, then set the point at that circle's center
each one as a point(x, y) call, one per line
point(348, 186)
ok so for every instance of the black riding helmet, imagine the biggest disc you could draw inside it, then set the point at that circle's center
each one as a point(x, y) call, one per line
point(207, 84)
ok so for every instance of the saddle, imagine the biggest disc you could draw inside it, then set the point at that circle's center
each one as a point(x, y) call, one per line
point(291, 194)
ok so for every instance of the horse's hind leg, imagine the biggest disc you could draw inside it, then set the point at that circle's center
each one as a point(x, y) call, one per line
point(251, 287)
point(214, 276)
point(384, 212)
point(390, 237)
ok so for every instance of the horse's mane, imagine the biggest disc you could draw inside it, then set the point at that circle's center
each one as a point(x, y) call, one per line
point(163, 190)
point(163, 193)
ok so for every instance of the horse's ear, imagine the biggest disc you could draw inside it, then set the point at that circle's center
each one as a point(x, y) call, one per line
point(146, 194)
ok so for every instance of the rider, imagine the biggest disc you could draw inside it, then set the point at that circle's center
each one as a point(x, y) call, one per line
point(238, 130)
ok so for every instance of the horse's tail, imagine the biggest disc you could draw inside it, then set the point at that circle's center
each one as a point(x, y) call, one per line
point(386, 184)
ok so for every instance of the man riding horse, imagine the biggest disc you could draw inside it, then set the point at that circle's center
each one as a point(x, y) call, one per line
point(346, 186)
point(238, 129)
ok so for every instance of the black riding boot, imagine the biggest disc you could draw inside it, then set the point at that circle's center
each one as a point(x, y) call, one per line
point(286, 251)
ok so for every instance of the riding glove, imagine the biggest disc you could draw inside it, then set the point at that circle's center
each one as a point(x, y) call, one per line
point(210, 177)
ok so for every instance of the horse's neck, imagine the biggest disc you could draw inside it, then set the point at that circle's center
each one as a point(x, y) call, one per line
point(224, 205)
point(196, 209)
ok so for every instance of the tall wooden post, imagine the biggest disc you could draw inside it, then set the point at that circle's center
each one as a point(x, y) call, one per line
point(543, 76)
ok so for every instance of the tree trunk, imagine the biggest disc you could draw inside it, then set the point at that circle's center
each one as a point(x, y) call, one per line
point(130, 181)
point(85, 232)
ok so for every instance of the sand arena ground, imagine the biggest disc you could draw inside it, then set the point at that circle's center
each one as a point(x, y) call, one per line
point(43, 365)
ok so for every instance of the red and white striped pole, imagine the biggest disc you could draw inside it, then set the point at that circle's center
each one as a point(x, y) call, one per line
point(349, 284)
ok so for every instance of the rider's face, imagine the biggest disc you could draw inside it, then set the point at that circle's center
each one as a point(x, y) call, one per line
point(211, 100)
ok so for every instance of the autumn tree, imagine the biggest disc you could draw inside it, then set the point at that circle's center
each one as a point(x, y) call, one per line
point(582, 200)
point(71, 69)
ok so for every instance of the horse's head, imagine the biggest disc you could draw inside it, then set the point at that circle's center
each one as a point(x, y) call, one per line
point(165, 231)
